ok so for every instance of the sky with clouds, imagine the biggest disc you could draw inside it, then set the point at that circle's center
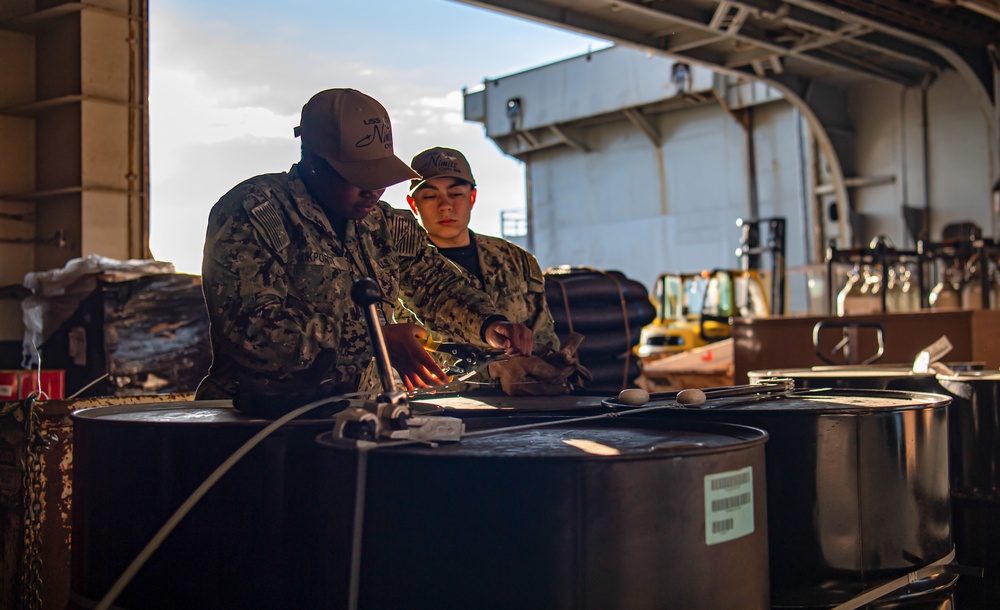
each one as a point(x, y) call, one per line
point(228, 80)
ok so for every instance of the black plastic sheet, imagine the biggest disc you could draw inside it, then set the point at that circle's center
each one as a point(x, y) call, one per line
point(610, 310)
point(149, 335)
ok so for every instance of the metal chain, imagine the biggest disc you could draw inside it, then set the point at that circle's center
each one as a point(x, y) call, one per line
point(31, 569)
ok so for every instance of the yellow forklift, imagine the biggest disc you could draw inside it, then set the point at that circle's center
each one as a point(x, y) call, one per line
point(695, 309)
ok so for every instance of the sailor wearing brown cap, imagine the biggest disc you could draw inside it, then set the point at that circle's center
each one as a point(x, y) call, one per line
point(282, 252)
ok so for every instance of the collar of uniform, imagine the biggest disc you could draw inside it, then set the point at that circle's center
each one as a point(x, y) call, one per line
point(304, 201)
point(376, 219)
point(484, 263)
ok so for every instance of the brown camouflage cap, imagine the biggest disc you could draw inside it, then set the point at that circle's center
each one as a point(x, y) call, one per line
point(440, 162)
point(351, 131)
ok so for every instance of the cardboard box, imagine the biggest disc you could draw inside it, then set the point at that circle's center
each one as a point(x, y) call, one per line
point(17, 385)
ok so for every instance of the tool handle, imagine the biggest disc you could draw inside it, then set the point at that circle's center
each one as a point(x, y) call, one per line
point(429, 342)
point(366, 294)
point(851, 330)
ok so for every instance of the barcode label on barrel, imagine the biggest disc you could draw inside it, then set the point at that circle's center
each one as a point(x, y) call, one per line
point(729, 482)
point(721, 527)
point(730, 502)
point(728, 505)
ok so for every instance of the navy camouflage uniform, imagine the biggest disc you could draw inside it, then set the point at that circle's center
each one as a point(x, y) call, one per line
point(277, 281)
point(515, 283)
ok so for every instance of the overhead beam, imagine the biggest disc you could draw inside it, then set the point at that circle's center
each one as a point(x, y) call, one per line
point(865, 38)
point(953, 58)
point(566, 139)
point(730, 19)
point(815, 38)
point(831, 21)
point(688, 39)
point(847, 59)
point(643, 125)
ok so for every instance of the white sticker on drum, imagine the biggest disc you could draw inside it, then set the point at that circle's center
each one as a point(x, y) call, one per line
point(728, 505)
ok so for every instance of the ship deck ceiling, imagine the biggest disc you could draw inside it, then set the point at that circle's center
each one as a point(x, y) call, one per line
point(837, 41)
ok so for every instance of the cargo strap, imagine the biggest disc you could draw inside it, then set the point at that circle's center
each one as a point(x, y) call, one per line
point(941, 566)
point(31, 566)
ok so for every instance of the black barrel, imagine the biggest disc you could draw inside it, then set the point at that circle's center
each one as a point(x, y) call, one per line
point(976, 431)
point(976, 525)
point(249, 543)
point(857, 487)
point(975, 468)
point(609, 513)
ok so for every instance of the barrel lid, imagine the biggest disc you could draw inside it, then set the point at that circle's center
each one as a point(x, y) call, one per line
point(620, 437)
point(839, 402)
point(187, 413)
point(493, 403)
point(841, 372)
point(972, 376)
point(202, 412)
point(824, 401)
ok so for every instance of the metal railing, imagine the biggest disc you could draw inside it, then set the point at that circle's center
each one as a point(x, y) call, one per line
point(513, 223)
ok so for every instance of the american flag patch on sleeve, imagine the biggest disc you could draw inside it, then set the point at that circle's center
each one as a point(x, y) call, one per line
point(269, 222)
point(409, 237)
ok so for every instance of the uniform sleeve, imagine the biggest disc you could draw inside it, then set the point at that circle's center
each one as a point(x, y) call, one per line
point(540, 318)
point(434, 288)
point(259, 319)
point(403, 314)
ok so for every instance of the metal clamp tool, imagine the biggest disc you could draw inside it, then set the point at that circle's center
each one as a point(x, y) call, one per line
point(469, 358)
point(388, 417)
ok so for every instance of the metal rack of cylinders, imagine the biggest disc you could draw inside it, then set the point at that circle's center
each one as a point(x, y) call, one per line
point(568, 513)
point(966, 272)
point(959, 273)
point(855, 490)
point(973, 453)
point(879, 279)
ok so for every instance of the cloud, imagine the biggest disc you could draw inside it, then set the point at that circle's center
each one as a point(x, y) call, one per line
point(226, 90)
point(442, 115)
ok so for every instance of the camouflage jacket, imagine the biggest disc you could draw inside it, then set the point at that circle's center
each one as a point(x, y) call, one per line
point(277, 281)
point(515, 283)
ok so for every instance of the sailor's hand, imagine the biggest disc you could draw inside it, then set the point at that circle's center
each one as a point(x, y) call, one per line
point(416, 367)
point(514, 339)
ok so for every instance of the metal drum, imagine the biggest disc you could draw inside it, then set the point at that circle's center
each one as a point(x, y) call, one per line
point(862, 377)
point(610, 513)
point(973, 453)
point(975, 469)
point(475, 404)
point(976, 461)
point(857, 488)
point(249, 543)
